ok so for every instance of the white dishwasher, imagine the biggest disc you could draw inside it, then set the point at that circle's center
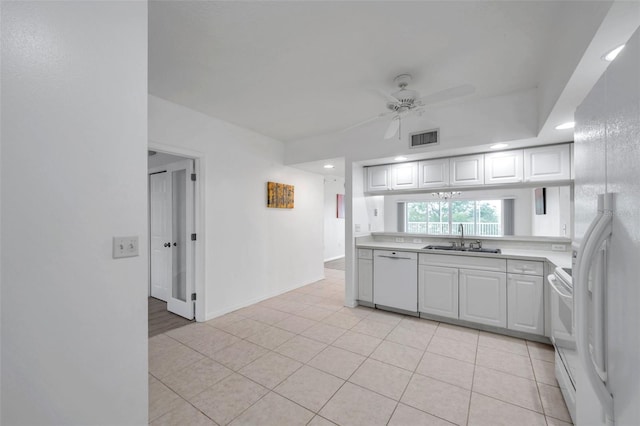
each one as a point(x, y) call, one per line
point(395, 279)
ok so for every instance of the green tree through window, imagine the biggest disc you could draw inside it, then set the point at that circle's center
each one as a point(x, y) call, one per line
point(443, 217)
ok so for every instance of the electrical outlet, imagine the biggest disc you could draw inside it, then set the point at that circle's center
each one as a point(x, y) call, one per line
point(357, 227)
point(399, 240)
point(417, 240)
point(558, 247)
point(125, 247)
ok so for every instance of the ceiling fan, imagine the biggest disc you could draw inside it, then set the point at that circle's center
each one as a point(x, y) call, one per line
point(404, 102)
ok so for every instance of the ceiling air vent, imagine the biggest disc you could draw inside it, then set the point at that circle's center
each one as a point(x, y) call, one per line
point(424, 139)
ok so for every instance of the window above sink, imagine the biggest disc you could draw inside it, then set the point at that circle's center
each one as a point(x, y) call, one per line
point(482, 218)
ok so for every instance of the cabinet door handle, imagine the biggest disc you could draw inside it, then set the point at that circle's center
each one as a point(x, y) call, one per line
point(167, 244)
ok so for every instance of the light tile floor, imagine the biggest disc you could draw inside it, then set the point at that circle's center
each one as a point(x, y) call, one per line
point(303, 359)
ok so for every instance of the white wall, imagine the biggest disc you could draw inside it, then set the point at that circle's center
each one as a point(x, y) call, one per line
point(251, 252)
point(557, 220)
point(74, 159)
point(356, 212)
point(333, 226)
point(522, 206)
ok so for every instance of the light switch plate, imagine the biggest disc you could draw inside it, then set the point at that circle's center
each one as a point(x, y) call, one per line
point(125, 247)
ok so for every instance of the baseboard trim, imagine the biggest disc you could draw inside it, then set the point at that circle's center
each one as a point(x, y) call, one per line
point(228, 309)
point(334, 258)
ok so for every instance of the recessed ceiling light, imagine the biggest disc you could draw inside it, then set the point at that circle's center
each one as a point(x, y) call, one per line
point(565, 126)
point(400, 158)
point(499, 145)
point(329, 166)
point(612, 55)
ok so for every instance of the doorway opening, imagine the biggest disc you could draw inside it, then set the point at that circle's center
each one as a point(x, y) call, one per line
point(172, 240)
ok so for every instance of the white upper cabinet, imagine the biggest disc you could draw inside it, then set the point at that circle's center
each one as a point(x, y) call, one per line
point(378, 178)
point(433, 173)
point(467, 170)
point(547, 163)
point(404, 176)
point(503, 167)
point(540, 164)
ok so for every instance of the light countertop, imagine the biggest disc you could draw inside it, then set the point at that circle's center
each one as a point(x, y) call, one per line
point(558, 258)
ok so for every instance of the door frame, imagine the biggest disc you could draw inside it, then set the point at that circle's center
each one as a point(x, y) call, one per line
point(199, 220)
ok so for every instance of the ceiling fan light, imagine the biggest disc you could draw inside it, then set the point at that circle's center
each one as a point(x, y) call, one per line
point(611, 55)
point(499, 145)
point(405, 95)
point(565, 126)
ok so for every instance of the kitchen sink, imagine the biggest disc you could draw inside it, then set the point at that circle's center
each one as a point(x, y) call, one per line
point(457, 248)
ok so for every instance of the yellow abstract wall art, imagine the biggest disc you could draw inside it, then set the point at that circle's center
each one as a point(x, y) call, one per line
point(279, 195)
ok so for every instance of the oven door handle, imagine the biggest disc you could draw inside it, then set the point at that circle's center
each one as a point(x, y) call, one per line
point(552, 281)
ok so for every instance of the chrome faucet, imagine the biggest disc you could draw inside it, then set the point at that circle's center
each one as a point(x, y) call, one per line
point(461, 230)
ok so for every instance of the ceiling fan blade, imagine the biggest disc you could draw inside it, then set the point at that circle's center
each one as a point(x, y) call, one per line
point(393, 128)
point(387, 96)
point(447, 94)
point(362, 123)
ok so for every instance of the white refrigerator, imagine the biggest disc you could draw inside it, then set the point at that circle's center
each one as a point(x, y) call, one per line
point(606, 274)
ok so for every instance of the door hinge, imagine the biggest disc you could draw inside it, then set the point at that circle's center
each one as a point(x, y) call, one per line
point(193, 296)
point(193, 177)
point(193, 237)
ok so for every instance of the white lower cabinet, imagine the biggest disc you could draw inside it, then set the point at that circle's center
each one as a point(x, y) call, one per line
point(483, 297)
point(438, 290)
point(365, 280)
point(525, 303)
point(365, 275)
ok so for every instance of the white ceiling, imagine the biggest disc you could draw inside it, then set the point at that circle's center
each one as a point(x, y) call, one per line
point(302, 69)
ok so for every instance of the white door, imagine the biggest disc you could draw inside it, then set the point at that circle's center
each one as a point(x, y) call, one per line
point(483, 297)
point(547, 163)
point(525, 306)
point(365, 280)
point(503, 167)
point(160, 233)
point(182, 279)
point(178, 218)
point(378, 178)
point(468, 170)
point(404, 176)
point(438, 291)
point(433, 173)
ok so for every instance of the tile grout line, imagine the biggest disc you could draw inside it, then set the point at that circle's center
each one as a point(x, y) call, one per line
point(330, 301)
point(544, 411)
point(411, 378)
point(473, 378)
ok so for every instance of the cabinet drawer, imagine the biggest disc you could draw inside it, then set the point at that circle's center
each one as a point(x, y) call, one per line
point(526, 267)
point(468, 262)
point(365, 254)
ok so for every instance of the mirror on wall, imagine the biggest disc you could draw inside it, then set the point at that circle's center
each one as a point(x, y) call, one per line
point(539, 212)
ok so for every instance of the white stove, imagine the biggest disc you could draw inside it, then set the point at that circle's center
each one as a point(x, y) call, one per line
point(563, 335)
